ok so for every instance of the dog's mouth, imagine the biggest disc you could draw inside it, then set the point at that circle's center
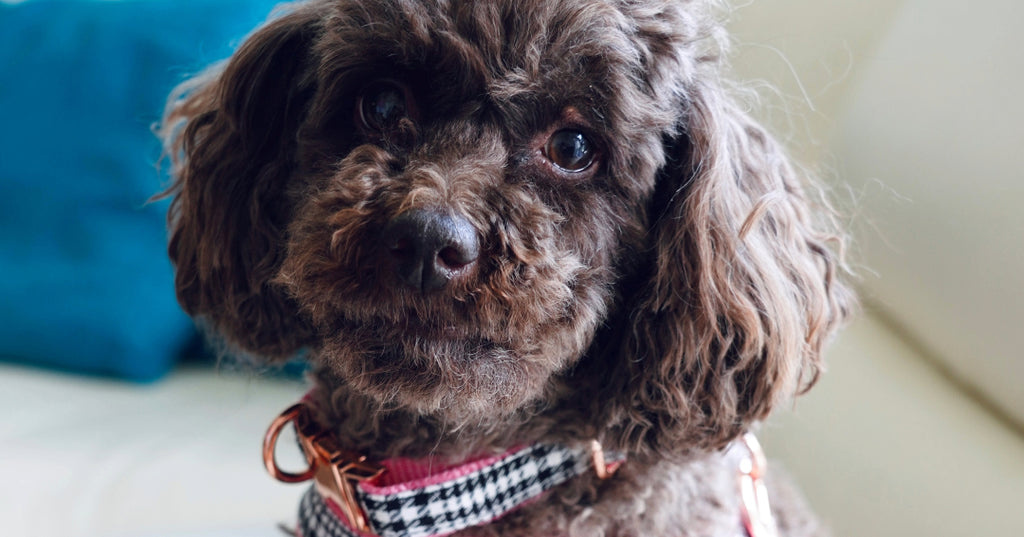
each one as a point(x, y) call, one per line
point(413, 341)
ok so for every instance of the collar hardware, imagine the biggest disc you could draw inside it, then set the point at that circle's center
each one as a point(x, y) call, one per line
point(334, 470)
point(603, 466)
point(755, 510)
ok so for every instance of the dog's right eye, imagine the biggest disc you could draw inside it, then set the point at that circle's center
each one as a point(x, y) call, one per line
point(382, 105)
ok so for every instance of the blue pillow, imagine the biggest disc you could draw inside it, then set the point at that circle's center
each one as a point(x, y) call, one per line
point(85, 284)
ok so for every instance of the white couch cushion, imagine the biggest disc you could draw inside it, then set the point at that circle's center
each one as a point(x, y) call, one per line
point(884, 446)
point(88, 457)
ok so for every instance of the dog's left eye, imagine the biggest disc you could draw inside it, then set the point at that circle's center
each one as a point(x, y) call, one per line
point(570, 150)
point(382, 105)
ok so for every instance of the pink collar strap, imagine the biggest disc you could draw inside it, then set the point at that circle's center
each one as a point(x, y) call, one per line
point(353, 497)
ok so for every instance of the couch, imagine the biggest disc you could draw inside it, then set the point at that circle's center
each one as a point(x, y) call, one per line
point(906, 108)
point(918, 427)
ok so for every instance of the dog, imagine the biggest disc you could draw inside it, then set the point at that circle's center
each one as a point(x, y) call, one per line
point(511, 230)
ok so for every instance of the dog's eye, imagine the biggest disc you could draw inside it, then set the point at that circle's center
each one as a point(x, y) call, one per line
point(382, 105)
point(570, 150)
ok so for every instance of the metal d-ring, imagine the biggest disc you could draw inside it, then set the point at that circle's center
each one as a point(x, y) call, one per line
point(294, 413)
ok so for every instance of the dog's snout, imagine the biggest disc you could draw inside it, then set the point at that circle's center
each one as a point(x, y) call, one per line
point(430, 248)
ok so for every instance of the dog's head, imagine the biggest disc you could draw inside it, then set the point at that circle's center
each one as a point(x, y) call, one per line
point(458, 206)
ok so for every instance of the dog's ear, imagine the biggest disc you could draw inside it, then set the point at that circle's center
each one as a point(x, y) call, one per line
point(230, 134)
point(742, 290)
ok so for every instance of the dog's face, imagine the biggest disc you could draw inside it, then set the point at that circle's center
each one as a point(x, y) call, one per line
point(466, 198)
point(448, 202)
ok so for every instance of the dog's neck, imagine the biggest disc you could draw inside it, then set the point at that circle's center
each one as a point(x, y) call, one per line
point(394, 435)
point(366, 426)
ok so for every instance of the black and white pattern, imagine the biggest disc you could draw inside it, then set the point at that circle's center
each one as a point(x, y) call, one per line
point(473, 499)
point(317, 520)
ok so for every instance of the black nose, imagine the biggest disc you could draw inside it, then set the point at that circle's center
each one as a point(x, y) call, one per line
point(430, 248)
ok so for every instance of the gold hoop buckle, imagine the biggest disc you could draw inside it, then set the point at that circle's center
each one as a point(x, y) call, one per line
point(335, 471)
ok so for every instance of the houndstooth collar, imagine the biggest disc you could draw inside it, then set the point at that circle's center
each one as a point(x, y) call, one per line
point(459, 498)
point(353, 497)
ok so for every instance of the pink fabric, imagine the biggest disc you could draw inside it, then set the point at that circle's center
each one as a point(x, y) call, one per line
point(403, 475)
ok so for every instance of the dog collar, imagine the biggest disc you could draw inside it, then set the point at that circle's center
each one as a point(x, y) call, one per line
point(355, 497)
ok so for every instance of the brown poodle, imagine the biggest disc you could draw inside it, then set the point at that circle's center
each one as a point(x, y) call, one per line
point(510, 223)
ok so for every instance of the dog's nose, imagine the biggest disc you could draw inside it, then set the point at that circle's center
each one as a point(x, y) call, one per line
point(430, 248)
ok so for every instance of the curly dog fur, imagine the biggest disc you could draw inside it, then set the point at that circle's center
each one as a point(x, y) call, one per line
point(661, 299)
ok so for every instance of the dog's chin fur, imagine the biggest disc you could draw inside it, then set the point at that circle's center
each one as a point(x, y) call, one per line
point(457, 382)
point(662, 299)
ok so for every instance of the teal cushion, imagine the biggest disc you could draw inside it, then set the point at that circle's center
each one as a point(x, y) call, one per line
point(85, 284)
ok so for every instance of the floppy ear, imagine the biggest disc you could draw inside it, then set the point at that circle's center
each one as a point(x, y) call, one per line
point(742, 291)
point(230, 134)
